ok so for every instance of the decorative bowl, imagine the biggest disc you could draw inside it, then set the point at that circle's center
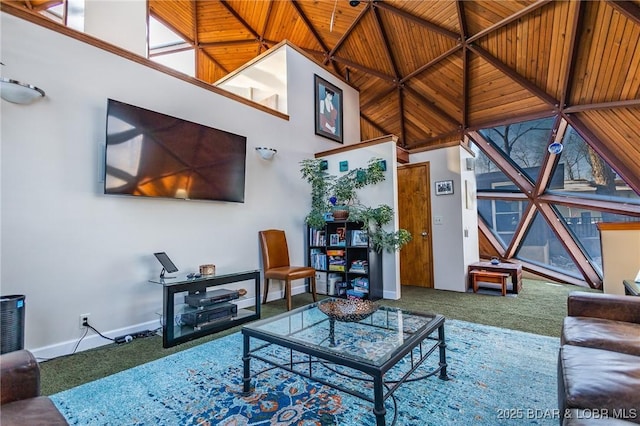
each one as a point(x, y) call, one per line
point(348, 310)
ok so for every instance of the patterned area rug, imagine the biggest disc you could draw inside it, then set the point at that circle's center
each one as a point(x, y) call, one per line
point(497, 376)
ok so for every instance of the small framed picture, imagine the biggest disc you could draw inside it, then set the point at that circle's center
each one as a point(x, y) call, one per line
point(444, 187)
point(359, 238)
point(334, 239)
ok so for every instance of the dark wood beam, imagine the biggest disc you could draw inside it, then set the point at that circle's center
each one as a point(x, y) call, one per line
point(347, 33)
point(515, 76)
point(310, 26)
point(425, 142)
point(432, 105)
point(628, 9)
point(567, 78)
point(374, 124)
point(520, 232)
point(631, 103)
point(509, 19)
point(429, 25)
point(265, 25)
point(465, 86)
point(567, 240)
point(462, 19)
point(362, 68)
point(504, 122)
point(244, 23)
point(431, 63)
point(387, 48)
point(591, 204)
point(546, 273)
point(378, 97)
point(502, 163)
point(550, 161)
point(491, 237)
point(630, 175)
point(403, 134)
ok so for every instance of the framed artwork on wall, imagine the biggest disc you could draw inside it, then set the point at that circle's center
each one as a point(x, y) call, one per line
point(444, 187)
point(328, 108)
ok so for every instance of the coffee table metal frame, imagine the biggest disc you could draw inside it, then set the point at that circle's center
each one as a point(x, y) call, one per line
point(421, 340)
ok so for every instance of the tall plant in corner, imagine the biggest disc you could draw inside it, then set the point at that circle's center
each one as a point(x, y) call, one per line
point(328, 191)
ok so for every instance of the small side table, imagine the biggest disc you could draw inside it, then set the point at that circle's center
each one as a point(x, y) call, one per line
point(513, 269)
point(631, 287)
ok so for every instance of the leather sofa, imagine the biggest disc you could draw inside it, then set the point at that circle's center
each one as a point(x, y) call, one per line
point(20, 399)
point(599, 360)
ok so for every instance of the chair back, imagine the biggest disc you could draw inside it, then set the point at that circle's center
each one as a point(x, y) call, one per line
point(275, 251)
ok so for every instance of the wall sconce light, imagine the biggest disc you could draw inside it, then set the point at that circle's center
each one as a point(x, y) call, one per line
point(19, 93)
point(266, 153)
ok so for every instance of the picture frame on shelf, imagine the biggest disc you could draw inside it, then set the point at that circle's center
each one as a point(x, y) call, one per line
point(334, 239)
point(444, 187)
point(328, 109)
point(359, 238)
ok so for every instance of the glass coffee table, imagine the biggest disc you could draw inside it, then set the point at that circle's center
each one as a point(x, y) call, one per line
point(360, 341)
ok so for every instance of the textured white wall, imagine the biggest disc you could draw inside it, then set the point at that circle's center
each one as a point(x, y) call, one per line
point(452, 251)
point(72, 250)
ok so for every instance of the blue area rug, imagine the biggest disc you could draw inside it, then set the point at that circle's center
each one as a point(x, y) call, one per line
point(497, 376)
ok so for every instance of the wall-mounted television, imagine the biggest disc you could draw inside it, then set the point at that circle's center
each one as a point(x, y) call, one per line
point(150, 154)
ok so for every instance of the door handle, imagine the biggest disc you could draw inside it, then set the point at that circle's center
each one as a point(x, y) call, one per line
point(425, 234)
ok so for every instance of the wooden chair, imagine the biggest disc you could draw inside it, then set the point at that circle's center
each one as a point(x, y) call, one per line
point(275, 260)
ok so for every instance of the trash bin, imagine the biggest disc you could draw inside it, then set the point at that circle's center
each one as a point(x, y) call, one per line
point(11, 323)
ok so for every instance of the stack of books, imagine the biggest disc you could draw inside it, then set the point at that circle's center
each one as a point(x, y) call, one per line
point(360, 284)
point(318, 259)
point(359, 267)
point(317, 237)
point(337, 262)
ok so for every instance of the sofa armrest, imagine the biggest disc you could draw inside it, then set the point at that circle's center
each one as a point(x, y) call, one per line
point(19, 376)
point(606, 306)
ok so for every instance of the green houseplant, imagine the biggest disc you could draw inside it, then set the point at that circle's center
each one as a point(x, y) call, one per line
point(330, 193)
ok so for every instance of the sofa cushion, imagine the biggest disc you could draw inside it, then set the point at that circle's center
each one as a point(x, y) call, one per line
point(601, 333)
point(32, 411)
point(598, 379)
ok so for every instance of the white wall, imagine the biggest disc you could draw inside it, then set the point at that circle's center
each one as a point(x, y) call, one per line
point(131, 18)
point(385, 192)
point(453, 249)
point(72, 250)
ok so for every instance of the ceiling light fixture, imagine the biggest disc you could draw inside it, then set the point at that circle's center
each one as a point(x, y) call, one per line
point(555, 148)
point(19, 93)
point(266, 153)
point(354, 3)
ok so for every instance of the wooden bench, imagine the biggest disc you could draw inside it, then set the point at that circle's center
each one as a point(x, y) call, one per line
point(489, 277)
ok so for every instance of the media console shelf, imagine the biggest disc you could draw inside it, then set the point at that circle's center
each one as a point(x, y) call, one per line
point(182, 322)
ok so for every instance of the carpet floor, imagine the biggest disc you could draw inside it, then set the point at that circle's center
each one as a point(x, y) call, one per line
point(496, 376)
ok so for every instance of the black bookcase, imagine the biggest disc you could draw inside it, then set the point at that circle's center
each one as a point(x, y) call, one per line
point(346, 265)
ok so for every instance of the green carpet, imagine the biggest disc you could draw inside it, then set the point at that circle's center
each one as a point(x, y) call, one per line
point(490, 370)
point(539, 309)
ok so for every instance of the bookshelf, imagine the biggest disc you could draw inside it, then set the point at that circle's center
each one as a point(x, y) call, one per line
point(346, 266)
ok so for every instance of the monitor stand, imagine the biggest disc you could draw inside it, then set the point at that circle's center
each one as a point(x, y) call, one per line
point(162, 274)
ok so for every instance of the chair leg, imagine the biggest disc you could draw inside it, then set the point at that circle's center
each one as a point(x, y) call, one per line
point(287, 291)
point(266, 290)
point(313, 288)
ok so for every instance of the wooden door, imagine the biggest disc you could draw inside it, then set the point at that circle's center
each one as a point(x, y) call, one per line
point(414, 213)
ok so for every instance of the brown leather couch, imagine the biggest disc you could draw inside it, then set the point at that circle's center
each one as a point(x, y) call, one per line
point(599, 360)
point(20, 400)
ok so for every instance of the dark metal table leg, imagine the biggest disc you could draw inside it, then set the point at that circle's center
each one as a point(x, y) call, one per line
point(443, 353)
point(378, 400)
point(246, 360)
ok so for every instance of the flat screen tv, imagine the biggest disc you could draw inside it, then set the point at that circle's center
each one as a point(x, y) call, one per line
point(150, 154)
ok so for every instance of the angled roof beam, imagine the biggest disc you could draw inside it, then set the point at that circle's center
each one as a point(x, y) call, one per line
point(592, 204)
point(431, 63)
point(515, 76)
point(364, 69)
point(432, 105)
point(567, 79)
point(629, 175)
point(374, 124)
point(403, 139)
point(377, 98)
point(387, 48)
point(550, 161)
point(521, 230)
point(628, 9)
point(419, 144)
point(310, 27)
point(567, 240)
point(631, 103)
point(347, 33)
point(462, 20)
point(545, 272)
point(244, 23)
point(503, 164)
point(490, 236)
point(417, 20)
point(509, 19)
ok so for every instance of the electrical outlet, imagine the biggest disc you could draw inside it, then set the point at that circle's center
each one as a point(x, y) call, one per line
point(84, 320)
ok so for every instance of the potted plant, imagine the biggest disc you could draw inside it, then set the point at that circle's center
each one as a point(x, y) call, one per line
point(333, 194)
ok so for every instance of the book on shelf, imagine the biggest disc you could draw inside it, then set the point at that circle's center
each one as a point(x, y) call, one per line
point(318, 259)
point(354, 294)
point(317, 237)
